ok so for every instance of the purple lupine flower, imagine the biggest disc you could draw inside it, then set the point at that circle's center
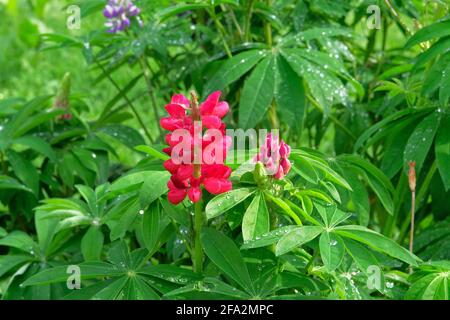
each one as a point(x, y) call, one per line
point(118, 13)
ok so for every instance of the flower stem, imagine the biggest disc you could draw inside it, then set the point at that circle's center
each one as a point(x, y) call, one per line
point(197, 258)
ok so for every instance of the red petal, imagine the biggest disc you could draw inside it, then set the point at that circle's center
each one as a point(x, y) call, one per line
point(194, 194)
point(185, 172)
point(170, 166)
point(176, 196)
point(217, 186)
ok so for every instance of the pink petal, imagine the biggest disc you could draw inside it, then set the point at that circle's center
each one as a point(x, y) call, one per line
point(170, 124)
point(286, 165)
point(175, 110)
point(211, 122)
point(221, 109)
point(280, 173)
point(180, 100)
point(210, 103)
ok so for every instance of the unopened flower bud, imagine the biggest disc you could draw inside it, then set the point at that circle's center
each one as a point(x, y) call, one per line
point(412, 176)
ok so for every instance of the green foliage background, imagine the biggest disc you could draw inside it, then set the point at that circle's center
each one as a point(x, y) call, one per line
point(355, 103)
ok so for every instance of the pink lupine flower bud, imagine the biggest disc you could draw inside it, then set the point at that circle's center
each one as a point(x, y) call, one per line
point(274, 155)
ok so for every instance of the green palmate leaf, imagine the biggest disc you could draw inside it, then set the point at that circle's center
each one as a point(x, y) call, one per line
point(363, 258)
point(324, 85)
point(392, 163)
point(435, 286)
point(224, 253)
point(296, 238)
point(113, 290)
point(210, 286)
point(268, 238)
point(180, 8)
point(170, 273)
point(438, 48)
point(419, 143)
point(88, 270)
point(126, 135)
point(284, 207)
point(134, 181)
point(378, 242)
point(225, 201)
point(444, 90)
point(436, 30)
point(380, 184)
point(256, 219)
point(153, 152)
point(433, 80)
point(233, 69)
point(92, 244)
point(359, 197)
point(175, 212)
point(19, 240)
point(387, 122)
point(289, 94)
point(331, 215)
point(151, 226)
point(12, 184)
point(24, 170)
point(331, 250)
point(442, 150)
point(90, 197)
point(9, 262)
point(38, 144)
point(257, 94)
point(152, 190)
point(305, 169)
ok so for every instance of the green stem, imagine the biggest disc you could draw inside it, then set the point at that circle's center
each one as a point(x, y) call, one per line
point(133, 109)
point(147, 75)
point(222, 32)
point(268, 28)
point(248, 19)
point(197, 259)
point(235, 22)
point(309, 266)
point(4, 166)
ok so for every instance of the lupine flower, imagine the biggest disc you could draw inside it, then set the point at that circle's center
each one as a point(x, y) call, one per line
point(62, 98)
point(188, 177)
point(274, 155)
point(412, 176)
point(119, 14)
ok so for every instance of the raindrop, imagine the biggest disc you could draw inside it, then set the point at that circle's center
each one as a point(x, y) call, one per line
point(389, 285)
point(333, 242)
point(141, 212)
